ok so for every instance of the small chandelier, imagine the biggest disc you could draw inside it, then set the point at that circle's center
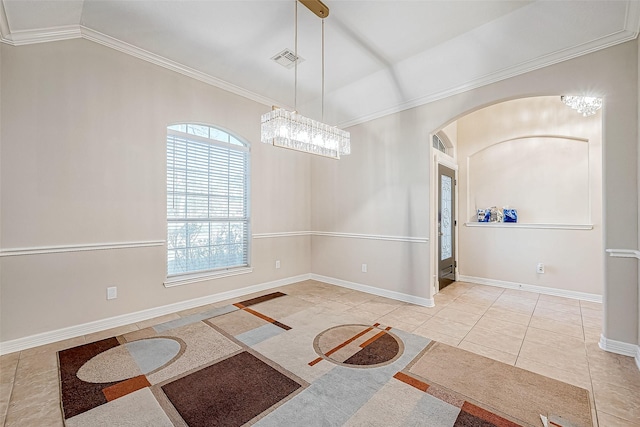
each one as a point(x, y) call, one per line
point(585, 105)
point(288, 129)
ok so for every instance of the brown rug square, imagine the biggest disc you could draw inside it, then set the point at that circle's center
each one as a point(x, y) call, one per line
point(230, 392)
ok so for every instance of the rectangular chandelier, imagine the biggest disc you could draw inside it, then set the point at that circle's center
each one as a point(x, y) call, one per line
point(289, 129)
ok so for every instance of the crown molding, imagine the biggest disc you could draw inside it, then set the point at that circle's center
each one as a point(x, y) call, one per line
point(618, 37)
point(139, 53)
point(629, 32)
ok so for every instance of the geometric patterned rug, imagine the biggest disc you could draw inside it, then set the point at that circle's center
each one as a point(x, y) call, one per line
point(275, 360)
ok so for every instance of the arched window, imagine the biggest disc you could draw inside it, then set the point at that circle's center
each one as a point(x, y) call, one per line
point(207, 199)
point(438, 144)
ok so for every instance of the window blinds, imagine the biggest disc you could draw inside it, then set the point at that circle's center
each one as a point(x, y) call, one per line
point(207, 203)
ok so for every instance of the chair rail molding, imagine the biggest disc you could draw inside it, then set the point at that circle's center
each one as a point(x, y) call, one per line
point(40, 250)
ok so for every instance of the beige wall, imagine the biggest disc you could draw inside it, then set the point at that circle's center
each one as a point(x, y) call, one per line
point(383, 187)
point(83, 136)
point(83, 162)
point(521, 153)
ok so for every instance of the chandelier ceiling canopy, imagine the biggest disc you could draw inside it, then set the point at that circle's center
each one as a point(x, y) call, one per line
point(585, 105)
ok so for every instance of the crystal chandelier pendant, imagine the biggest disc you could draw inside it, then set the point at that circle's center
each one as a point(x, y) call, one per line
point(585, 105)
point(289, 129)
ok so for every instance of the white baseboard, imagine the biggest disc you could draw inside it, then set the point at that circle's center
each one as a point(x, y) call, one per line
point(426, 302)
point(638, 356)
point(532, 288)
point(126, 319)
point(619, 347)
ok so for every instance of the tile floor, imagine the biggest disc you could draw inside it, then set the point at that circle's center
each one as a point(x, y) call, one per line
point(553, 336)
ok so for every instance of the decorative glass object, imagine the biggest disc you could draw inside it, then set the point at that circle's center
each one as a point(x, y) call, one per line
point(585, 105)
point(289, 129)
point(510, 215)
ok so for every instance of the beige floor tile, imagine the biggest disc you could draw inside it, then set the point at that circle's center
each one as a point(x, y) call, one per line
point(556, 340)
point(8, 364)
point(397, 324)
point(405, 315)
point(488, 338)
point(591, 313)
point(508, 316)
point(425, 310)
point(517, 304)
point(469, 307)
point(557, 326)
point(479, 298)
point(591, 305)
point(502, 327)
point(458, 315)
point(54, 347)
point(491, 353)
point(5, 395)
point(444, 326)
point(559, 300)
point(593, 323)
point(608, 420)
point(378, 307)
point(114, 332)
point(438, 336)
point(362, 315)
point(353, 298)
point(579, 379)
point(36, 364)
point(561, 316)
point(617, 401)
point(522, 294)
point(442, 299)
point(31, 390)
point(592, 335)
point(201, 309)
point(565, 308)
point(46, 413)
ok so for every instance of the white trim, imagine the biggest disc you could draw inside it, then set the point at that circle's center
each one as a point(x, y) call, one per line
point(126, 319)
point(618, 37)
point(408, 239)
point(145, 55)
point(534, 226)
point(44, 35)
point(281, 234)
point(425, 302)
point(584, 296)
point(617, 347)
point(204, 276)
point(624, 253)
point(78, 248)
point(637, 358)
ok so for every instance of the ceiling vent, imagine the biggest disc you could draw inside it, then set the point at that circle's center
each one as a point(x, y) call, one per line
point(287, 58)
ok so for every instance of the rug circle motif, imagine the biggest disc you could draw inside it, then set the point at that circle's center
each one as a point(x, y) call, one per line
point(358, 346)
point(130, 360)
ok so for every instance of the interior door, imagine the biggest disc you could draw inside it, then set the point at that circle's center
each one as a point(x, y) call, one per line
point(446, 226)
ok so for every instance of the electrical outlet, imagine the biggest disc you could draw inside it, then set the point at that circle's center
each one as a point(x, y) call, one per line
point(112, 292)
point(364, 268)
point(277, 263)
point(540, 268)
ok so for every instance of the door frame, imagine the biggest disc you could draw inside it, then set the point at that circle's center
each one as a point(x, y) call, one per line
point(439, 158)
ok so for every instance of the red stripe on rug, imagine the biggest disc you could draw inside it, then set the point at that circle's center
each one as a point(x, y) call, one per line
point(349, 341)
point(487, 416)
point(420, 385)
point(125, 387)
point(318, 360)
point(260, 315)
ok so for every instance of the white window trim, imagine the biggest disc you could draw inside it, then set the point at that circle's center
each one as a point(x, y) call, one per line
point(204, 275)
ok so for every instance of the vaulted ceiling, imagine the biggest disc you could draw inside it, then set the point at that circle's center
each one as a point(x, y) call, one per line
point(380, 56)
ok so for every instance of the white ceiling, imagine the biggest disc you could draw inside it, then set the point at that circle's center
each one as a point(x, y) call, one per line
point(381, 56)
